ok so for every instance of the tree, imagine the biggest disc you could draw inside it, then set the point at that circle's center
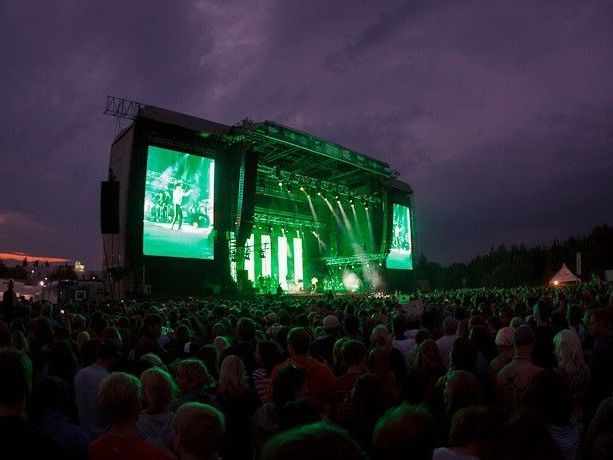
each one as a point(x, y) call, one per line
point(518, 266)
point(63, 273)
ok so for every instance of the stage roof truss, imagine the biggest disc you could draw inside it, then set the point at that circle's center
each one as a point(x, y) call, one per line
point(296, 151)
point(352, 260)
point(285, 220)
point(311, 185)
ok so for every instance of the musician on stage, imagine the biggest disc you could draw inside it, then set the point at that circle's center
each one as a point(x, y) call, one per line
point(314, 282)
point(177, 197)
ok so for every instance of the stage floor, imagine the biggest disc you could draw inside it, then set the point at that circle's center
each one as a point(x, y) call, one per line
point(189, 242)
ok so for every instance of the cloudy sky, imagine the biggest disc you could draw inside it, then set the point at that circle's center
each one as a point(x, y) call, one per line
point(499, 114)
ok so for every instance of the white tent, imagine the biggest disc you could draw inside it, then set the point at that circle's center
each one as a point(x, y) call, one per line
point(564, 276)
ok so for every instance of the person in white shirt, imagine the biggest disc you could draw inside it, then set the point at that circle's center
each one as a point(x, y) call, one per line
point(86, 384)
point(401, 342)
point(177, 197)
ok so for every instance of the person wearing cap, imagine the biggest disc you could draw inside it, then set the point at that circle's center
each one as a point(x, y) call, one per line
point(322, 348)
point(504, 344)
point(513, 380)
point(86, 384)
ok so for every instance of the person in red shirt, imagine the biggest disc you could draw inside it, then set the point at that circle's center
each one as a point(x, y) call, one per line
point(120, 397)
point(354, 358)
point(320, 380)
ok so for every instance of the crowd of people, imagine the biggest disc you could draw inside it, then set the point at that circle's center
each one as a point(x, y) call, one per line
point(474, 374)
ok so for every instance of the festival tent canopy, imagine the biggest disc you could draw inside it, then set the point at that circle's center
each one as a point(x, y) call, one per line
point(564, 276)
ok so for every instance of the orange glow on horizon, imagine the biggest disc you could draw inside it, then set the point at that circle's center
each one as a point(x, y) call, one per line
point(19, 256)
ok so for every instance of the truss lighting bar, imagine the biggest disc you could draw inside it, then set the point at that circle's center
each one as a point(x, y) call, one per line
point(376, 257)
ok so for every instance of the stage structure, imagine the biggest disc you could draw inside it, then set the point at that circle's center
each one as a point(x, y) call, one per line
point(192, 206)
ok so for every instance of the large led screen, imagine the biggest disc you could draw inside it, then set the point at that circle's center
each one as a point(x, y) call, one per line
point(178, 214)
point(401, 252)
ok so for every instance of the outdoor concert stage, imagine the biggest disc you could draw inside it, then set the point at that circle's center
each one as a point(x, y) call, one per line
point(193, 206)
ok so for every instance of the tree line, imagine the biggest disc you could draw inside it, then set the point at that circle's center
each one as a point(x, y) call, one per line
point(518, 265)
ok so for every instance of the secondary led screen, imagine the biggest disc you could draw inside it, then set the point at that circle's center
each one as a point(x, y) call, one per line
point(178, 217)
point(401, 252)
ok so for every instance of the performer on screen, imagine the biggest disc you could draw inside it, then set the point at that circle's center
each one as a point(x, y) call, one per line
point(314, 282)
point(177, 197)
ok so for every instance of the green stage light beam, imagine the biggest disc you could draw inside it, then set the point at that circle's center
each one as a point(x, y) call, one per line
point(282, 257)
point(298, 263)
point(338, 220)
point(358, 228)
point(370, 231)
point(312, 209)
point(346, 219)
point(322, 246)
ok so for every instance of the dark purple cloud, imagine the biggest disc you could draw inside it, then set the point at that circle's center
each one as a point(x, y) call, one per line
point(500, 115)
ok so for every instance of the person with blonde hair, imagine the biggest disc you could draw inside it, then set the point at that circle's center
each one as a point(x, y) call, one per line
point(120, 397)
point(155, 422)
point(238, 403)
point(198, 431)
point(571, 363)
point(380, 337)
point(193, 378)
point(504, 343)
point(232, 377)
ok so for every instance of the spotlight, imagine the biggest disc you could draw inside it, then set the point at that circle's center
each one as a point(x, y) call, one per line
point(280, 184)
point(351, 201)
point(302, 189)
point(336, 196)
point(318, 193)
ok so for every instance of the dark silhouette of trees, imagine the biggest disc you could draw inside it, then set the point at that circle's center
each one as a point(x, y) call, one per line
point(517, 265)
point(64, 272)
point(18, 272)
